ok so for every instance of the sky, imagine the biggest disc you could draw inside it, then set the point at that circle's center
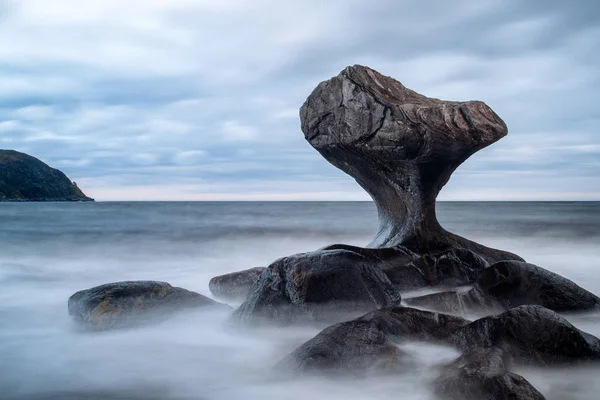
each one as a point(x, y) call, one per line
point(199, 99)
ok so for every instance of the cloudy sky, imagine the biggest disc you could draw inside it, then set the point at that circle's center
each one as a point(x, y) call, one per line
point(198, 99)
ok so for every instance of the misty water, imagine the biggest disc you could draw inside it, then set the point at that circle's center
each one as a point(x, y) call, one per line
point(48, 251)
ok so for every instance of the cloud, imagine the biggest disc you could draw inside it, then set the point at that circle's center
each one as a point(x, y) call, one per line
point(203, 95)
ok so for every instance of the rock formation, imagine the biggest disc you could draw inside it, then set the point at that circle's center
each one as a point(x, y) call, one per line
point(121, 304)
point(509, 284)
point(482, 374)
point(531, 335)
point(369, 343)
point(401, 147)
point(326, 285)
point(235, 285)
point(25, 178)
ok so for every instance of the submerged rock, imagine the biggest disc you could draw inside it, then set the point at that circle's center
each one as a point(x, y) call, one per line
point(530, 334)
point(131, 302)
point(509, 284)
point(25, 178)
point(235, 285)
point(482, 374)
point(369, 342)
point(325, 285)
point(349, 347)
point(411, 324)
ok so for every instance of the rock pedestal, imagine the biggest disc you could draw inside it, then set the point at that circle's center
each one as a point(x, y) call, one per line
point(401, 147)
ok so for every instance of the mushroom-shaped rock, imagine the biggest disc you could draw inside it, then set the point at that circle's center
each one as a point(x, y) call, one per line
point(482, 374)
point(235, 285)
point(530, 334)
point(401, 147)
point(128, 303)
point(509, 284)
point(369, 342)
point(326, 285)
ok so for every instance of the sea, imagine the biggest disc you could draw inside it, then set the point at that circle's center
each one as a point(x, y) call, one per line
point(48, 251)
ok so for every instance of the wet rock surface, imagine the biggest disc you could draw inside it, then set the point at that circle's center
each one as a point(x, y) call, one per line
point(235, 285)
point(348, 347)
point(369, 343)
point(128, 303)
point(324, 286)
point(531, 335)
point(482, 374)
point(509, 284)
point(450, 268)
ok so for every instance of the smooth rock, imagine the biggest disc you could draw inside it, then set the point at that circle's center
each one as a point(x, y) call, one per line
point(509, 284)
point(531, 335)
point(128, 303)
point(326, 285)
point(346, 348)
point(482, 374)
point(235, 285)
point(369, 343)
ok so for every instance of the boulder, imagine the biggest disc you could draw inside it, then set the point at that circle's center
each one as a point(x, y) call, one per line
point(509, 284)
point(369, 343)
point(410, 324)
point(128, 303)
point(235, 285)
point(326, 285)
point(346, 348)
point(530, 335)
point(482, 374)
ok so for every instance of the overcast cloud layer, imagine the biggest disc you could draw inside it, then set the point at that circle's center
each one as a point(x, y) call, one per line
point(198, 99)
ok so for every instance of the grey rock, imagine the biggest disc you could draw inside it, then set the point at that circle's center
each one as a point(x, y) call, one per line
point(509, 284)
point(401, 147)
point(326, 285)
point(128, 303)
point(530, 335)
point(483, 374)
point(235, 285)
point(368, 343)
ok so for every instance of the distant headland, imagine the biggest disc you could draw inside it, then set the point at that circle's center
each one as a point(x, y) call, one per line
point(25, 178)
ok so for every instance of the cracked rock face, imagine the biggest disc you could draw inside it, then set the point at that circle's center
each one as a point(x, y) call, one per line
point(401, 147)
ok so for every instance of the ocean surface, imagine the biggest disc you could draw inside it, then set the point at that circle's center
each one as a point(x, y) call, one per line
point(48, 251)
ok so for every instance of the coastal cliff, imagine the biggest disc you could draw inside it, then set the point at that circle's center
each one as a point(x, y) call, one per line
point(25, 178)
